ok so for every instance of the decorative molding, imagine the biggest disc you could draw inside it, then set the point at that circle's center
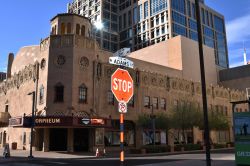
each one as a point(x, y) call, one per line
point(84, 62)
point(23, 76)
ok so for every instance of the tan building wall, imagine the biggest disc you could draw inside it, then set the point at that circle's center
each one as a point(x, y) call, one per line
point(182, 54)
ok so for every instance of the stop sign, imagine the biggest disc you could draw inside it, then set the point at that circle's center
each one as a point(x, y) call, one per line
point(122, 85)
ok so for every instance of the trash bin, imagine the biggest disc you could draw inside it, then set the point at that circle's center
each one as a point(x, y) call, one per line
point(14, 145)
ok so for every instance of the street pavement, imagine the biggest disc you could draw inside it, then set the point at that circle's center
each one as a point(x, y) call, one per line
point(19, 158)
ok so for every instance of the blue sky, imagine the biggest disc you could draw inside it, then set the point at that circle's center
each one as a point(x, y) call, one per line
point(25, 22)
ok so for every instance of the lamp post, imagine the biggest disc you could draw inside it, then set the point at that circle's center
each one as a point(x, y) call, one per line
point(203, 83)
point(152, 116)
point(32, 123)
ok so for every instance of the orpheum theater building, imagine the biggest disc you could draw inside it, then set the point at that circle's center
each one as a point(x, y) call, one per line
point(75, 109)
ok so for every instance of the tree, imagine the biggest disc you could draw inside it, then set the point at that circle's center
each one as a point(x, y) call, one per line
point(216, 121)
point(161, 121)
point(184, 117)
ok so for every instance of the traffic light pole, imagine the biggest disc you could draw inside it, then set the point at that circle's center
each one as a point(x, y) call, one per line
point(203, 83)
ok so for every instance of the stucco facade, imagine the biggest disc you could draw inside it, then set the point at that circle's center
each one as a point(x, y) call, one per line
point(75, 110)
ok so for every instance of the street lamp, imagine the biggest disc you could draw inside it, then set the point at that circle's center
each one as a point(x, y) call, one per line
point(32, 122)
point(203, 83)
point(152, 117)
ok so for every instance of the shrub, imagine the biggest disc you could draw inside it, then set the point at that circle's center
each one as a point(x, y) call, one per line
point(219, 146)
point(135, 151)
point(178, 147)
point(156, 148)
point(189, 147)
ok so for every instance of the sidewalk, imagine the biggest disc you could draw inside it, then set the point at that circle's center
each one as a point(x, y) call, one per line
point(88, 155)
point(49, 155)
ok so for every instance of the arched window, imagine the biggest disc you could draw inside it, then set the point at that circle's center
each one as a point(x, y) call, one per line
point(77, 29)
point(69, 28)
point(41, 94)
point(83, 30)
point(62, 29)
point(83, 91)
point(59, 93)
point(53, 31)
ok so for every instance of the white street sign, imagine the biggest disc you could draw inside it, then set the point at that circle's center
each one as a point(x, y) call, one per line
point(122, 107)
point(122, 52)
point(121, 62)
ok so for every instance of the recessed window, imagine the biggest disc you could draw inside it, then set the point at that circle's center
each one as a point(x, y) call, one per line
point(43, 64)
point(146, 101)
point(24, 138)
point(110, 98)
point(77, 29)
point(83, 30)
point(59, 93)
point(62, 29)
point(83, 94)
point(69, 28)
point(6, 108)
point(41, 94)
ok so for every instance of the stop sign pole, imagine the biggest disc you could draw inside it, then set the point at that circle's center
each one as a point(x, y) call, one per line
point(122, 87)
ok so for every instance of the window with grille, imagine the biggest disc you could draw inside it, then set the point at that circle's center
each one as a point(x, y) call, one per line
point(83, 94)
point(163, 103)
point(146, 101)
point(110, 98)
point(155, 102)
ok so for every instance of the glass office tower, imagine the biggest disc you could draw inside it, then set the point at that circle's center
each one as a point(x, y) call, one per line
point(139, 23)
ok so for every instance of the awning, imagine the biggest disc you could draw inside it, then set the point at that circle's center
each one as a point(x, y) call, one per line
point(58, 121)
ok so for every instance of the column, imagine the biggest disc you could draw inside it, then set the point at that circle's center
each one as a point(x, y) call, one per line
point(70, 140)
point(46, 140)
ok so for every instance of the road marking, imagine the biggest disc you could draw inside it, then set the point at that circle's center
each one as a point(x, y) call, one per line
point(55, 162)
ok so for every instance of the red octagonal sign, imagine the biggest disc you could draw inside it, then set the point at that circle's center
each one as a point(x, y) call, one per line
point(122, 85)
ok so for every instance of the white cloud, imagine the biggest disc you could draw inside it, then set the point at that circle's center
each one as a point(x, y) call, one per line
point(235, 64)
point(238, 29)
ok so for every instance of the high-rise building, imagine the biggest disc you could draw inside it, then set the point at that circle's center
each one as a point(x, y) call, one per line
point(139, 23)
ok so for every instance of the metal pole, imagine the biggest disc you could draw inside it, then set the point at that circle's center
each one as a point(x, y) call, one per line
point(122, 139)
point(32, 124)
point(203, 84)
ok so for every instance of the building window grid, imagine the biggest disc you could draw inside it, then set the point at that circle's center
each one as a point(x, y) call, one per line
point(157, 6)
point(179, 18)
point(145, 9)
point(140, 13)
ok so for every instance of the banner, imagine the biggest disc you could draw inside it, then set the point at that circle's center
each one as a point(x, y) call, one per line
point(242, 137)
